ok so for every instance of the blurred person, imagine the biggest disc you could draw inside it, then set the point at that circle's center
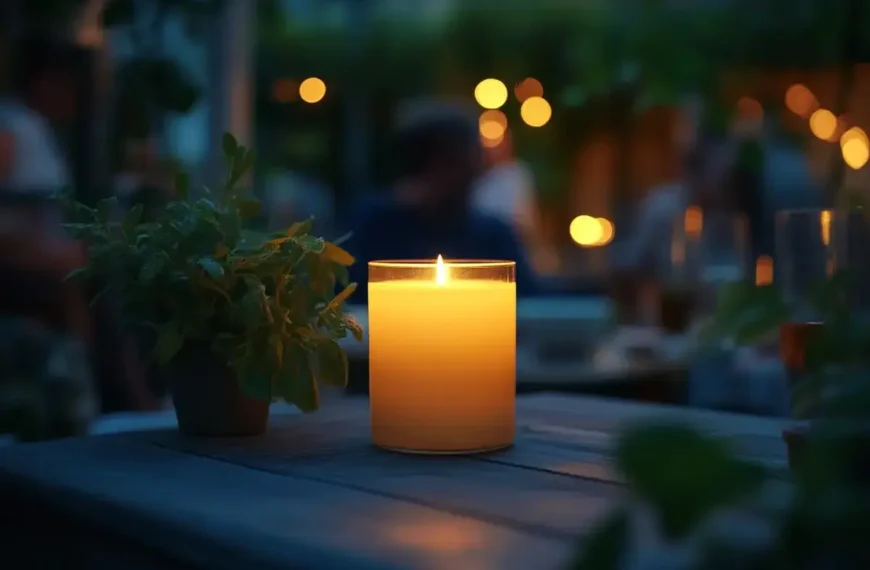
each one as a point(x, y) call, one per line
point(32, 170)
point(506, 190)
point(41, 94)
point(429, 211)
point(708, 169)
point(35, 253)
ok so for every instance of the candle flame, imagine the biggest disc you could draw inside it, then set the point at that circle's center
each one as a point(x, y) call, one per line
point(440, 272)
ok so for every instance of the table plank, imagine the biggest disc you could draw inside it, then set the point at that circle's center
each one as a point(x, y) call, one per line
point(315, 493)
point(213, 514)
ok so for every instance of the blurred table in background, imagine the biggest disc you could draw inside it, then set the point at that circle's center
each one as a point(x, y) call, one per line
point(572, 345)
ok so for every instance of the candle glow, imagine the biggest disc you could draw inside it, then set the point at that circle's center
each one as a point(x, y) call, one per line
point(442, 355)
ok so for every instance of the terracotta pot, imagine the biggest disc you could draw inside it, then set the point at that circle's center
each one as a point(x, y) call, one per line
point(209, 402)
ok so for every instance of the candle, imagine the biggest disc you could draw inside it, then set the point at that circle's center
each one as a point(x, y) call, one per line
point(442, 355)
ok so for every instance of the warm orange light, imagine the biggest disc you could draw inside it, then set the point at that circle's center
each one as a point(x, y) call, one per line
point(490, 93)
point(440, 271)
point(855, 153)
point(312, 90)
point(528, 87)
point(823, 124)
point(825, 223)
point(491, 143)
point(764, 270)
point(586, 231)
point(492, 124)
point(800, 100)
point(749, 108)
point(607, 231)
point(855, 147)
point(693, 221)
point(536, 111)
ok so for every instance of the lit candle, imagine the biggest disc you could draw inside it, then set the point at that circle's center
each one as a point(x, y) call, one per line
point(442, 355)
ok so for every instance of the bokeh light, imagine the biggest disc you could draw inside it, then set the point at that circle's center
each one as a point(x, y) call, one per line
point(764, 270)
point(586, 231)
point(536, 111)
point(855, 152)
point(800, 100)
point(285, 90)
point(749, 108)
point(312, 90)
point(491, 143)
point(823, 124)
point(492, 124)
point(608, 230)
point(528, 87)
point(694, 221)
point(490, 93)
point(853, 133)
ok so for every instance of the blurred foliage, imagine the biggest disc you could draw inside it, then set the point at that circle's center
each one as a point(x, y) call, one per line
point(747, 314)
point(46, 388)
point(712, 509)
point(149, 83)
point(599, 62)
point(265, 304)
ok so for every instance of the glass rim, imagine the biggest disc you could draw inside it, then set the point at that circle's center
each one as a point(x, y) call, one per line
point(424, 264)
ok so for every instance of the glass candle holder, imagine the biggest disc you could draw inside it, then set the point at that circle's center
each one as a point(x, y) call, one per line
point(442, 355)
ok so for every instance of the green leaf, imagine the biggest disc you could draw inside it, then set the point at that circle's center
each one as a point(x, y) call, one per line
point(300, 228)
point(341, 297)
point(169, 342)
point(684, 475)
point(255, 382)
point(351, 324)
point(296, 382)
point(604, 547)
point(211, 267)
point(229, 146)
point(134, 216)
point(337, 255)
point(332, 363)
point(310, 243)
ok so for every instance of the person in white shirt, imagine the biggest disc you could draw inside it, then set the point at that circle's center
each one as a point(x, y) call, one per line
point(42, 80)
point(506, 190)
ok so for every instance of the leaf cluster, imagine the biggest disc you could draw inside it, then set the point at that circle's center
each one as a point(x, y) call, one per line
point(194, 274)
point(687, 478)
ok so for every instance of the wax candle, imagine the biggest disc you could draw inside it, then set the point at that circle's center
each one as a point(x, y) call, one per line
point(442, 355)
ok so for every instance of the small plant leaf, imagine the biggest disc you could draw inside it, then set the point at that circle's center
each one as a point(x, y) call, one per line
point(341, 297)
point(336, 254)
point(300, 228)
point(169, 342)
point(229, 146)
point(211, 267)
point(332, 365)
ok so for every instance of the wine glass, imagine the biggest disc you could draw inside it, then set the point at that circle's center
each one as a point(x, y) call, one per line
point(811, 246)
point(707, 250)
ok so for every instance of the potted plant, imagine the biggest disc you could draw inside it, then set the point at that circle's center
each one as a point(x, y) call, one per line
point(820, 358)
point(241, 318)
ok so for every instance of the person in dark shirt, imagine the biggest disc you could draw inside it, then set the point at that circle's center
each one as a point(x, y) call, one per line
point(428, 213)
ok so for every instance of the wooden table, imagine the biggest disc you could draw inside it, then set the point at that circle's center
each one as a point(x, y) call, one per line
point(315, 494)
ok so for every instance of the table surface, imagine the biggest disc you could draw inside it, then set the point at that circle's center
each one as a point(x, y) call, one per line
point(313, 492)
